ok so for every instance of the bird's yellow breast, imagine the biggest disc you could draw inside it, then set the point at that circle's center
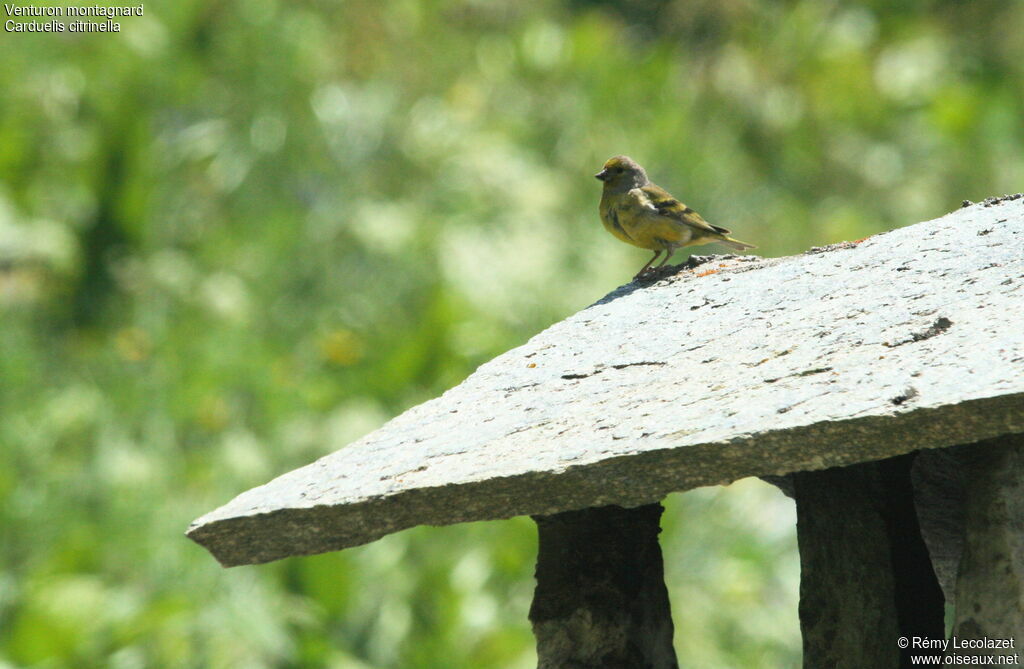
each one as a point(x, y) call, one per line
point(612, 221)
point(640, 226)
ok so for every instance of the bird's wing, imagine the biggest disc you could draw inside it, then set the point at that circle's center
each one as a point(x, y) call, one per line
point(662, 202)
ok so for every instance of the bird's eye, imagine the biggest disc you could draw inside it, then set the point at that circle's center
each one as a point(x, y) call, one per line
point(618, 170)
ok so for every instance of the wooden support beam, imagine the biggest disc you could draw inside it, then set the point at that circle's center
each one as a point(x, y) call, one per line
point(601, 601)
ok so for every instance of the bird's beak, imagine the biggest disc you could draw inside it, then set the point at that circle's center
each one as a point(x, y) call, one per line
point(602, 175)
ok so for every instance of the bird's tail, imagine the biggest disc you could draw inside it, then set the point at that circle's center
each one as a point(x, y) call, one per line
point(736, 244)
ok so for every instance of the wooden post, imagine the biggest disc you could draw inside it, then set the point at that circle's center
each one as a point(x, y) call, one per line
point(601, 600)
point(866, 579)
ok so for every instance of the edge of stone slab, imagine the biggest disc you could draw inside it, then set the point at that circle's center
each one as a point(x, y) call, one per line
point(626, 480)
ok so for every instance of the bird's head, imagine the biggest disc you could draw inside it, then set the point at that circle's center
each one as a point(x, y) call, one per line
point(622, 173)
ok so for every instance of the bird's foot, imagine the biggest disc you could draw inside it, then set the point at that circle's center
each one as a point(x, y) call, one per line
point(651, 273)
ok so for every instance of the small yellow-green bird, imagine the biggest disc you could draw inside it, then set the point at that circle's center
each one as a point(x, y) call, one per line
point(644, 214)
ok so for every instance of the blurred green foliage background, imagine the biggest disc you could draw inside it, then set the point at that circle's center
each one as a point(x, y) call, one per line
point(236, 236)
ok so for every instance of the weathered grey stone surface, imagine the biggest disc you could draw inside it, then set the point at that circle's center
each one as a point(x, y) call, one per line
point(938, 481)
point(990, 583)
point(848, 612)
point(736, 367)
point(601, 600)
point(866, 577)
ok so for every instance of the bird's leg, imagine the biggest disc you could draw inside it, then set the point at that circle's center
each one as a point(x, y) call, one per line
point(668, 254)
point(644, 268)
